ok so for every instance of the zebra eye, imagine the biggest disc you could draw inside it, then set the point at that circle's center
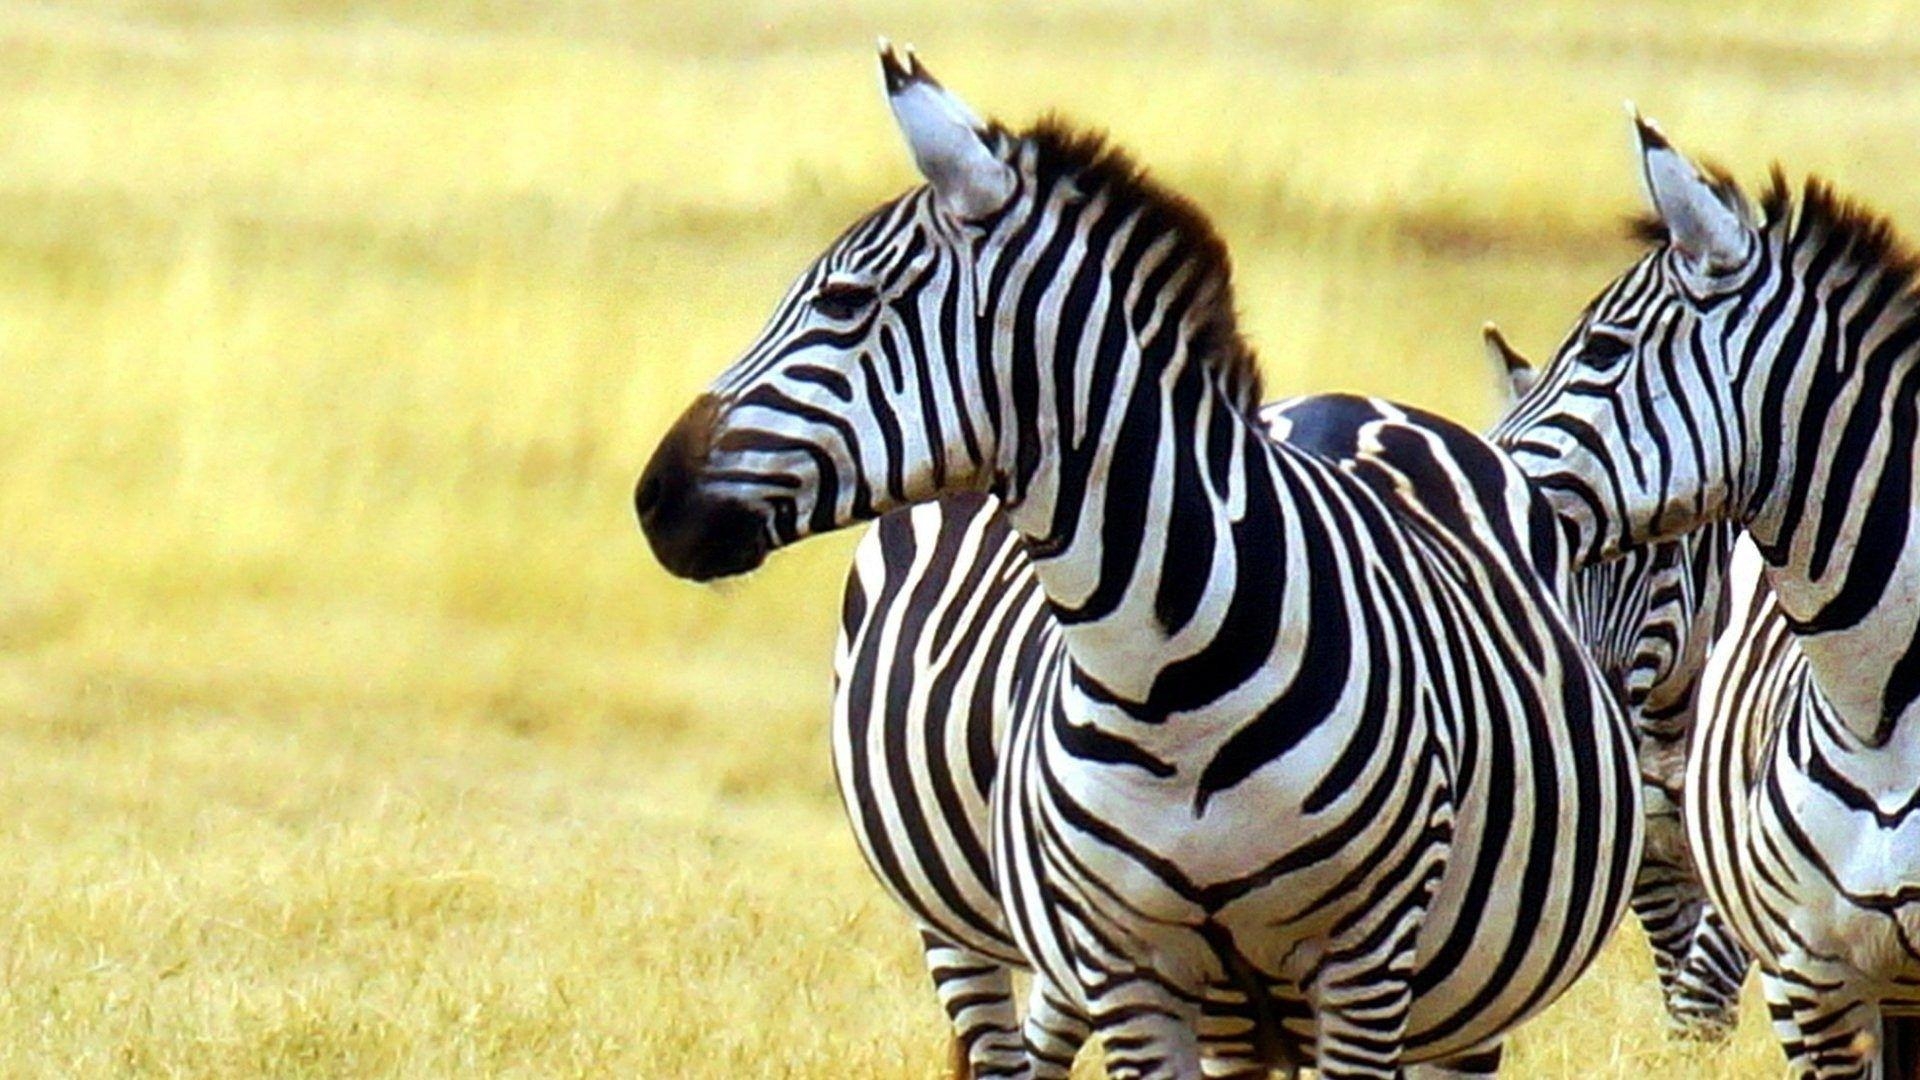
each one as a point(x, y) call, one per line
point(843, 300)
point(1604, 349)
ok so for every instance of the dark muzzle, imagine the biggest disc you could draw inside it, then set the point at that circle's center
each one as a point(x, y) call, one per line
point(694, 534)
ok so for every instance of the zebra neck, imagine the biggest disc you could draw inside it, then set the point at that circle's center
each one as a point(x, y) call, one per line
point(1134, 540)
point(1839, 528)
point(1858, 622)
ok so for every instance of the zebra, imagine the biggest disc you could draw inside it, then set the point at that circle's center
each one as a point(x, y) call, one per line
point(1319, 731)
point(1649, 618)
point(944, 626)
point(1759, 366)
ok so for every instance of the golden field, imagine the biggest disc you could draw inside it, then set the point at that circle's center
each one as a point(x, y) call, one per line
point(346, 727)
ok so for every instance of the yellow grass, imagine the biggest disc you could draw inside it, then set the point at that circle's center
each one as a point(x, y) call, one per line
point(346, 729)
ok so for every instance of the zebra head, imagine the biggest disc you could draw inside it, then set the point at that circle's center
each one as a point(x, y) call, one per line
point(1018, 307)
point(1632, 431)
point(805, 432)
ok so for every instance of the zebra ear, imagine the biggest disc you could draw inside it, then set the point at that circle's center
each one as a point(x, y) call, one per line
point(1703, 225)
point(949, 143)
point(1518, 374)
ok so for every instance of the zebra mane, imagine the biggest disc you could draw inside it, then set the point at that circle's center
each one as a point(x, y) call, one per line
point(1864, 237)
point(1094, 164)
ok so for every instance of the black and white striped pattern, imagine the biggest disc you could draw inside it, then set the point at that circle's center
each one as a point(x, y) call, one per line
point(945, 627)
point(943, 638)
point(1318, 732)
point(1763, 368)
point(1757, 686)
point(1649, 618)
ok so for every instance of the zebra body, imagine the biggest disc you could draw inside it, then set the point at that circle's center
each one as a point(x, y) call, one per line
point(1396, 861)
point(944, 626)
point(1761, 367)
point(1317, 730)
point(944, 629)
point(1761, 804)
point(946, 588)
point(1802, 867)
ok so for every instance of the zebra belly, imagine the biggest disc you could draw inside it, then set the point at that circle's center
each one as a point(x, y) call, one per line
point(1145, 862)
point(1265, 841)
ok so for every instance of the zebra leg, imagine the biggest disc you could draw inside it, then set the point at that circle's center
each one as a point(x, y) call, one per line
point(1227, 1042)
point(1360, 1003)
point(1667, 900)
point(1238, 1067)
point(977, 993)
point(1362, 1018)
point(1700, 966)
point(1785, 1031)
point(1056, 1029)
point(1362, 991)
point(1147, 1030)
point(1231, 1042)
point(1828, 1031)
point(1705, 998)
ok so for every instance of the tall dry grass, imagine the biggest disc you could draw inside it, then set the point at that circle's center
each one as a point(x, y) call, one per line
point(347, 728)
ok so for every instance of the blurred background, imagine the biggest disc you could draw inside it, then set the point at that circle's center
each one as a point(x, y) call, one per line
point(346, 726)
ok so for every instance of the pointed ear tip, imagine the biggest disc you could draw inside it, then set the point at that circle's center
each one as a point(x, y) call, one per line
point(1649, 133)
point(1489, 331)
point(893, 74)
point(918, 71)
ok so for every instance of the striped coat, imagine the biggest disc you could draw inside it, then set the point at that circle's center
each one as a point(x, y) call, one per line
point(1761, 366)
point(1318, 730)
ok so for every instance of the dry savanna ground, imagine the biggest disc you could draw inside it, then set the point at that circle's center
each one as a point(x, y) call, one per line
point(346, 729)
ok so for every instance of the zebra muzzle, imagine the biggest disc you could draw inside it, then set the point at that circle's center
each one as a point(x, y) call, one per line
point(695, 534)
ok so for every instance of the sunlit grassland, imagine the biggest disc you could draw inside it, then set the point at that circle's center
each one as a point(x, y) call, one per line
point(346, 727)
